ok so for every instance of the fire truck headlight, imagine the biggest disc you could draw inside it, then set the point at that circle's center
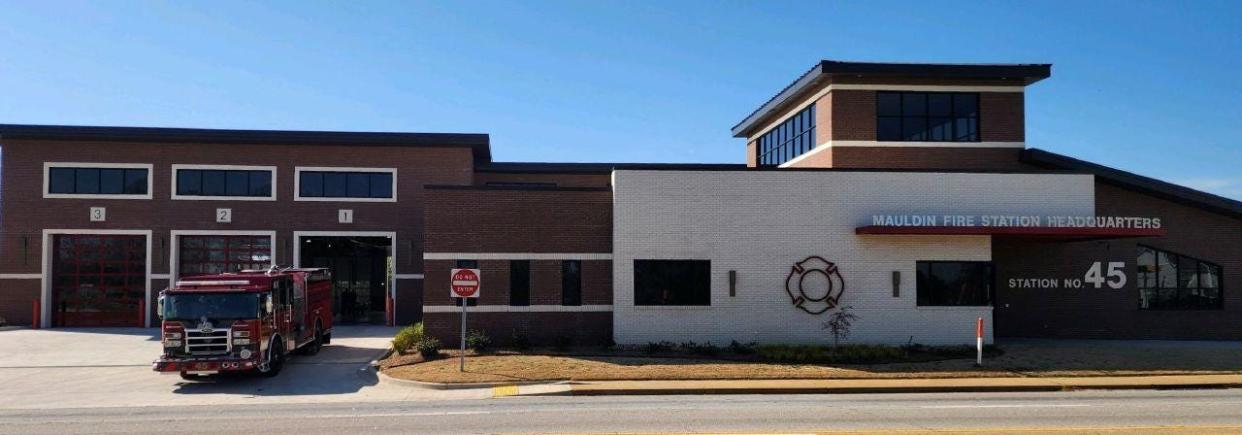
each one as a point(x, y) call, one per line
point(245, 354)
point(173, 335)
point(172, 343)
point(242, 334)
point(241, 341)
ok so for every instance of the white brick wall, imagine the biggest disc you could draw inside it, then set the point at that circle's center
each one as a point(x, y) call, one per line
point(760, 223)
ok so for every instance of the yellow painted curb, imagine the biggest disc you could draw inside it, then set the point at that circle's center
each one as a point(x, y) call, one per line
point(504, 390)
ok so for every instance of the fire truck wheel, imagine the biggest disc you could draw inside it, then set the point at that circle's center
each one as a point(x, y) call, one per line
point(314, 346)
point(275, 362)
point(189, 377)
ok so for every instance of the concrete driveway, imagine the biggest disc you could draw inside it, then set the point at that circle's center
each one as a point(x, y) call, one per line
point(111, 367)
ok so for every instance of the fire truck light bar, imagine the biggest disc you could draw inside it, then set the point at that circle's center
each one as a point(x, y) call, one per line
point(221, 282)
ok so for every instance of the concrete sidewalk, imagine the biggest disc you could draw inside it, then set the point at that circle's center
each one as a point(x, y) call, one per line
point(845, 386)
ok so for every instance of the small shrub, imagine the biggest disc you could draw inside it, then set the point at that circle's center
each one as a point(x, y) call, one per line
point(478, 340)
point(519, 340)
point(562, 342)
point(742, 349)
point(850, 353)
point(408, 338)
point(839, 324)
point(699, 349)
point(429, 348)
point(661, 347)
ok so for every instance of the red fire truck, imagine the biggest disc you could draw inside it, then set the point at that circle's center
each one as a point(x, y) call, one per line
point(249, 321)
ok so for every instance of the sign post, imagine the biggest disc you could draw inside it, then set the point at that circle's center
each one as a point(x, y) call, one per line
point(465, 284)
point(979, 342)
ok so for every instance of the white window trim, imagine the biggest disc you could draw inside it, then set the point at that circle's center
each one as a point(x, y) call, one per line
point(177, 166)
point(297, 183)
point(391, 235)
point(47, 180)
point(174, 254)
point(46, 285)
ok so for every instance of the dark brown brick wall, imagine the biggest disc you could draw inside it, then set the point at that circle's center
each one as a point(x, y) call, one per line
point(561, 180)
point(853, 115)
point(1002, 116)
point(1107, 313)
point(545, 282)
point(17, 297)
point(483, 220)
point(541, 329)
point(998, 159)
point(521, 221)
point(25, 213)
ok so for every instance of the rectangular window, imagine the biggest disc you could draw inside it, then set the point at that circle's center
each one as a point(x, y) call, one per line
point(197, 255)
point(106, 180)
point(571, 282)
point(519, 282)
point(672, 282)
point(954, 283)
point(346, 185)
point(788, 140)
point(223, 182)
point(927, 116)
point(468, 264)
point(1168, 281)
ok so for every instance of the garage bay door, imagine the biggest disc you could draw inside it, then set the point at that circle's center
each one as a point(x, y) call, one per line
point(98, 280)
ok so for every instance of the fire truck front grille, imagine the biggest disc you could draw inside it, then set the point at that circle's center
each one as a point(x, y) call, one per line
point(215, 342)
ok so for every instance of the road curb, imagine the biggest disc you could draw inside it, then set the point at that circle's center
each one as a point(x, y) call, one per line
point(384, 378)
point(602, 389)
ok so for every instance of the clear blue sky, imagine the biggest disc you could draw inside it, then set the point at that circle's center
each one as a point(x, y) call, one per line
point(1150, 87)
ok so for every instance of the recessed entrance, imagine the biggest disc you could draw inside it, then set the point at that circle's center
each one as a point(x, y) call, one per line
point(98, 280)
point(361, 273)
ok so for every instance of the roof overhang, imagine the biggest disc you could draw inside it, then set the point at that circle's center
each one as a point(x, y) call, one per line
point(478, 143)
point(1056, 233)
point(1019, 74)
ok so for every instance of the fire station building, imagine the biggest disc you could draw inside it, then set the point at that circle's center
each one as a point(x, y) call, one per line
point(905, 193)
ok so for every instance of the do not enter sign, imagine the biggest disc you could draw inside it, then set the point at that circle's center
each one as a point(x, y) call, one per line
point(465, 283)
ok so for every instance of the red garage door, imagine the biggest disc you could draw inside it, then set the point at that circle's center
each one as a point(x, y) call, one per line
point(98, 280)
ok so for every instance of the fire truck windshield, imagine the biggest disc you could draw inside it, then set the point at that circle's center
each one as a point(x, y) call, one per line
point(212, 306)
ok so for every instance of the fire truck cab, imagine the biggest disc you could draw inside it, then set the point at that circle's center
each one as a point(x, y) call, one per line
point(249, 321)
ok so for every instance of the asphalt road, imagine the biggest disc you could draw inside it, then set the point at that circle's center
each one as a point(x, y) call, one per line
point(1207, 411)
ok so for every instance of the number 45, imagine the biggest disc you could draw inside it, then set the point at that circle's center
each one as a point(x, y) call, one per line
point(1094, 276)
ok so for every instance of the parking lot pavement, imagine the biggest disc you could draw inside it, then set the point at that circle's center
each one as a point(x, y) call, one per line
point(111, 367)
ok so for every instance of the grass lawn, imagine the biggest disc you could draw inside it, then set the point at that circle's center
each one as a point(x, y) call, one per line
point(1042, 359)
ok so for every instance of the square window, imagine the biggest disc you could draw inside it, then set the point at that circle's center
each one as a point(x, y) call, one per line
point(86, 180)
point(237, 183)
point(914, 104)
point(60, 180)
point(111, 181)
point(888, 103)
point(310, 184)
point(888, 129)
point(136, 181)
point(381, 185)
point(914, 129)
point(260, 183)
point(359, 185)
point(966, 105)
point(940, 105)
point(214, 183)
point(189, 182)
point(334, 185)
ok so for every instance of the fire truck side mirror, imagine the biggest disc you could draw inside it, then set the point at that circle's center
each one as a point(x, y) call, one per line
point(159, 307)
point(268, 304)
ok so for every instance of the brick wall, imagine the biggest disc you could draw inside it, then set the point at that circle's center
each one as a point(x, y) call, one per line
point(1115, 313)
point(601, 180)
point(26, 213)
point(544, 226)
